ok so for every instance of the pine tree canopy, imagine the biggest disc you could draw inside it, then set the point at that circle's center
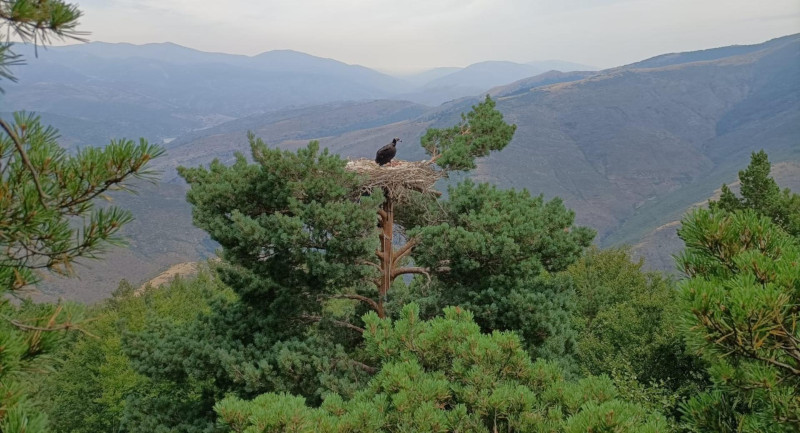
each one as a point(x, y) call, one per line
point(741, 314)
point(299, 245)
point(760, 192)
point(443, 375)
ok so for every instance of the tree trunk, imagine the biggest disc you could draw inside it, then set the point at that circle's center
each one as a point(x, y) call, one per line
point(387, 251)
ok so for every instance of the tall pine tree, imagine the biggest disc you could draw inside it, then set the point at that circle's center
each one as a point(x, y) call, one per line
point(299, 242)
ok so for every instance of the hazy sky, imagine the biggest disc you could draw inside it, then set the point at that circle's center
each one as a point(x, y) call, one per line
point(407, 35)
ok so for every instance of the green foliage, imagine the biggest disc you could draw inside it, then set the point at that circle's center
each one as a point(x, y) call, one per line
point(626, 320)
point(89, 391)
point(762, 194)
point(481, 131)
point(47, 216)
point(298, 238)
point(294, 236)
point(48, 219)
point(29, 334)
point(41, 199)
point(498, 253)
point(289, 220)
point(443, 375)
point(741, 304)
point(34, 21)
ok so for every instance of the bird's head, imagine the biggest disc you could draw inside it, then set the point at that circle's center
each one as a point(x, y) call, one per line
point(396, 140)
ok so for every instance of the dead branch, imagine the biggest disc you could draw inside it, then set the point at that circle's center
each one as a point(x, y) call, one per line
point(405, 250)
point(364, 299)
point(365, 367)
point(411, 270)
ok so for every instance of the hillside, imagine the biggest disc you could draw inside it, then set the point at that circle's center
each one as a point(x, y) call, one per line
point(161, 235)
point(658, 246)
point(447, 84)
point(611, 142)
point(629, 148)
point(164, 90)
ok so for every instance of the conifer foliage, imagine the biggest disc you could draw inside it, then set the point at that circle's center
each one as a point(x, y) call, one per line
point(480, 131)
point(498, 253)
point(299, 242)
point(48, 217)
point(44, 190)
point(741, 304)
point(760, 193)
point(444, 375)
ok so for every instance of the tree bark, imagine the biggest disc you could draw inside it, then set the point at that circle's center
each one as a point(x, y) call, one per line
point(386, 214)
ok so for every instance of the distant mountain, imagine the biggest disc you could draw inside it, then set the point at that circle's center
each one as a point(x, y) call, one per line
point(560, 65)
point(545, 79)
point(628, 148)
point(289, 129)
point(707, 55)
point(448, 84)
point(484, 75)
point(424, 77)
point(164, 90)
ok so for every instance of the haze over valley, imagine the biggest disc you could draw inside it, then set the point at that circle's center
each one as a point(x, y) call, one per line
point(628, 148)
point(561, 216)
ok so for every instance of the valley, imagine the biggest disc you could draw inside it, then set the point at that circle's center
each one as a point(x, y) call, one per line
point(629, 149)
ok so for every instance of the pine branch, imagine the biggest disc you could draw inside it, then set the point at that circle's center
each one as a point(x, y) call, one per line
point(411, 270)
point(25, 160)
point(405, 250)
point(364, 299)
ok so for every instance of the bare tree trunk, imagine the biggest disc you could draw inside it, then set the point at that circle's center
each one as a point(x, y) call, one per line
point(386, 252)
point(390, 259)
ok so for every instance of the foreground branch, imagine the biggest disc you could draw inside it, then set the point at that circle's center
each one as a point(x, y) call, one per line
point(25, 160)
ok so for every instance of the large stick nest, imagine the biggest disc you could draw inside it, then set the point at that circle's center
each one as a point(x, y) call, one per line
point(398, 178)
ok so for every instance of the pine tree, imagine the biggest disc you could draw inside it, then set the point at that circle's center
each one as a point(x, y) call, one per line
point(48, 218)
point(499, 253)
point(443, 375)
point(299, 240)
point(741, 314)
point(44, 191)
point(762, 194)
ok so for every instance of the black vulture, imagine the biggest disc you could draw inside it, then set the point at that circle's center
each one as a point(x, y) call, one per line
point(386, 153)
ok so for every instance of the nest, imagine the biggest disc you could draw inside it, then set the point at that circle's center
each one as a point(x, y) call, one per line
point(397, 178)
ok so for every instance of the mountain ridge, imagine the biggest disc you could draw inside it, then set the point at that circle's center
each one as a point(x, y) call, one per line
point(628, 148)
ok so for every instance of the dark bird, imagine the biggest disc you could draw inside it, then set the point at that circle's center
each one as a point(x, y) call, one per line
point(386, 153)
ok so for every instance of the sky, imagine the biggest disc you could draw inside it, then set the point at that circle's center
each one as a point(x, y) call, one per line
point(403, 36)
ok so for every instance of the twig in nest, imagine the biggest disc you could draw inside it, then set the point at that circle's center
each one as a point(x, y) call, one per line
point(398, 180)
